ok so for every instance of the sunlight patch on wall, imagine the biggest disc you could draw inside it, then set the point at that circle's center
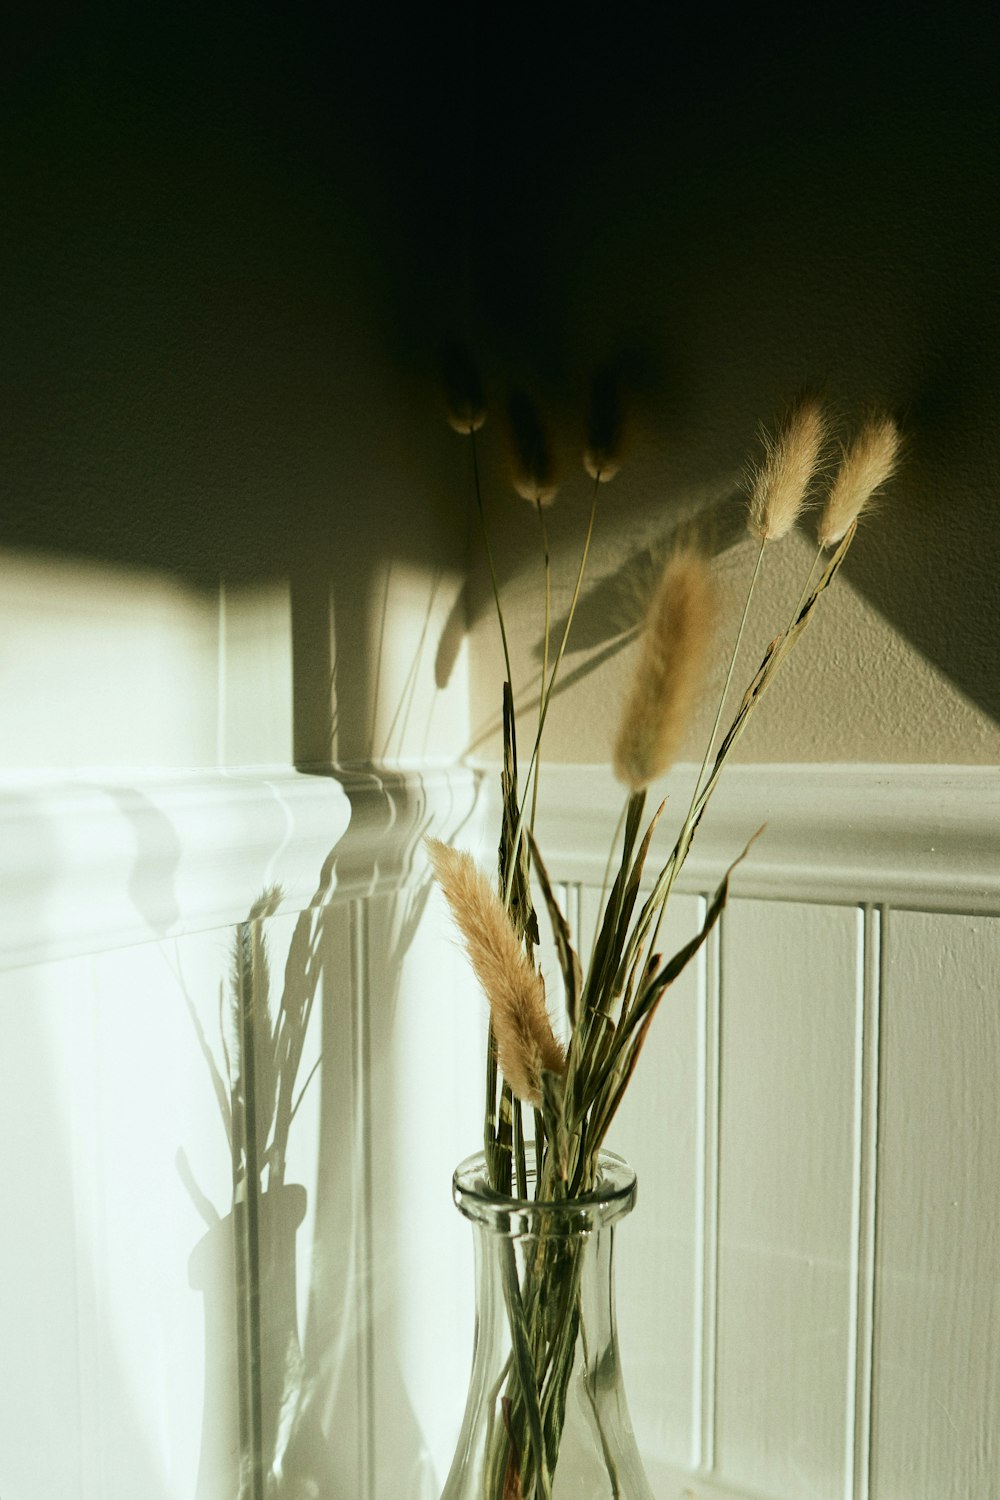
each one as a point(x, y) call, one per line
point(412, 717)
point(111, 666)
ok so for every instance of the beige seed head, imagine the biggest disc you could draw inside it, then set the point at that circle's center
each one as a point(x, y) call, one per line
point(867, 464)
point(669, 672)
point(525, 1041)
point(781, 481)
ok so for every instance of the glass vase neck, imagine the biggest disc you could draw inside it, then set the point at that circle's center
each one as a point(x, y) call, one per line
point(612, 1196)
point(546, 1416)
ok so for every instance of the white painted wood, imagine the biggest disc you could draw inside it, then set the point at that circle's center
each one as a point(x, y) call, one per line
point(937, 1345)
point(918, 836)
point(788, 1080)
point(783, 1278)
point(91, 865)
point(335, 1268)
point(861, 1328)
point(108, 1107)
point(661, 1246)
point(427, 1039)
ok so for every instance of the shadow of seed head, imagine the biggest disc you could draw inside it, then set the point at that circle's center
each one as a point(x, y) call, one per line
point(605, 426)
point(465, 399)
point(533, 469)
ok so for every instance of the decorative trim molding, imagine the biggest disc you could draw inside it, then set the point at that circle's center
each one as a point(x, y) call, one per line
point(103, 861)
point(924, 837)
point(100, 862)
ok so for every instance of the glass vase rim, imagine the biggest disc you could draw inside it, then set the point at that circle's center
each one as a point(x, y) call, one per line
point(612, 1198)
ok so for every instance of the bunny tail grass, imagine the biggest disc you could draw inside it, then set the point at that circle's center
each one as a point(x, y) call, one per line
point(781, 482)
point(867, 464)
point(526, 1045)
point(669, 672)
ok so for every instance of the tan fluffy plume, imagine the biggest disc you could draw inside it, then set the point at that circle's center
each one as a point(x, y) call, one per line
point(781, 481)
point(525, 1041)
point(867, 464)
point(669, 672)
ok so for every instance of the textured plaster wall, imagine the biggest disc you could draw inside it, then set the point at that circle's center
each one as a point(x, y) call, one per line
point(234, 526)
point(727, 216)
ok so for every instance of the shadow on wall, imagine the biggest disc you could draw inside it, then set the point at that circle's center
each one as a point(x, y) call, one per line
point(302, 1428)
point(236, 240)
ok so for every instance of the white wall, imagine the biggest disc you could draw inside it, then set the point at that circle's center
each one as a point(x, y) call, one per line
point(808, 1286)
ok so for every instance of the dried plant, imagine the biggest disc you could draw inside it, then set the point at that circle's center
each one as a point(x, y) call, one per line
point(672, 656)
point(865, 466)
point(525, 1041)
point(781, 481)
point(609, 1007)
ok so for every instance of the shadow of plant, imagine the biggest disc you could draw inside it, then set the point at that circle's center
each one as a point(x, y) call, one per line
point(246, 1264)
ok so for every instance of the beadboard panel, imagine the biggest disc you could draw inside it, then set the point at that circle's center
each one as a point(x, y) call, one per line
point(664, 1244)
point(788, 1075)
point(427, 1041)
point(846, 1337)
point(936, 1386)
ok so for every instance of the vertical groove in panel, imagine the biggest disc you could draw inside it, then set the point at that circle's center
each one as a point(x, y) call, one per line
point(707, 1237)
point(878, 978)
point(859, 1374)
point(85, 1167)
point(365, 1312)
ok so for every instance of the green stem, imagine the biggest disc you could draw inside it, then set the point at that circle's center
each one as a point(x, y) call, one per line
point(545, 652)
point(807, 585)
point(489, 557)
point(607, 872)
point(520, 1164)
point(688, 825)
point(548, 689)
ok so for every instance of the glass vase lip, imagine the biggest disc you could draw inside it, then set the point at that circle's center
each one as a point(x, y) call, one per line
point(612, 1198)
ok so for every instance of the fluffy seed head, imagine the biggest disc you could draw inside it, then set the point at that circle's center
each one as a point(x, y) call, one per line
point(781, 481)
point(668, 674)
point(867, 464)
point(525, 1041)
point(533, 469)
point(602, 453)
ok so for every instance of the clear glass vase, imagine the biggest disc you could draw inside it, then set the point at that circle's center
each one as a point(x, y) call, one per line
point(546, 1416)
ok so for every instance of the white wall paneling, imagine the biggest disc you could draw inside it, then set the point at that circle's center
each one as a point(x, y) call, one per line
point(817, 1139)
point(809, 1303)
point(125, 1331)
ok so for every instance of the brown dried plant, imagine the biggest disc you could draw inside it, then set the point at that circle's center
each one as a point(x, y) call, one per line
point(609, 1007)
point(781, 481)
point(672, 656)
point(525, 1041)
point(865, 466)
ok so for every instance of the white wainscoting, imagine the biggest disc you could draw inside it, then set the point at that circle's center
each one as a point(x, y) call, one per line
point(123, 1373)
point(812, 1275)
point(809, 1297)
